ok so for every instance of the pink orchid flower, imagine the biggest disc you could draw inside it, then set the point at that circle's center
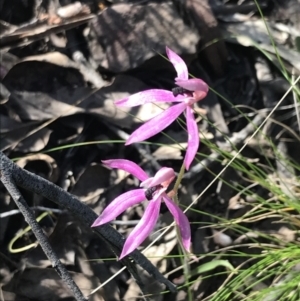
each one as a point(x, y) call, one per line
point(187, 93)
point(154, 190)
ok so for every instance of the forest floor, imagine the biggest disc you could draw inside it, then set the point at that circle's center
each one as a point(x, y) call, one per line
point(62, 66)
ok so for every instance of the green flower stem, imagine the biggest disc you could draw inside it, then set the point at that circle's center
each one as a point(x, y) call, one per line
point(185, 264)
point(177, 183)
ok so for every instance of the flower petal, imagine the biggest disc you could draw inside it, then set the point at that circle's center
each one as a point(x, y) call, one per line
point(181, 220)
point(156, 124)
point(193, 138)
point(142, 229)
point(193, 84)
point(164, 176)
point(119, 205)
point(128, 166)
point(178, 63)
point(153, 95)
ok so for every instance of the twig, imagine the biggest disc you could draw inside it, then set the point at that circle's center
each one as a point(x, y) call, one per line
point(7, 180)
point(125, 223)
point(236, 139)
point(83, 65)
point(83, 213)
point(39, 208)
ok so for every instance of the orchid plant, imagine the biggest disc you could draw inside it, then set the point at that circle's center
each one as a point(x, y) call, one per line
point(154, 190)
point(186, 94)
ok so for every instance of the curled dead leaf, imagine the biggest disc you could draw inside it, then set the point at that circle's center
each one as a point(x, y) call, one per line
point(51, 171)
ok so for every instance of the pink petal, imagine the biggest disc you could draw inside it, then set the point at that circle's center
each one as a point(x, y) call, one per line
point(142, 229)
point(181, 220)
point(193, 138)
point(164, 175)
point(119, 205)
point(128, 166)
point(154, 95)
point(156, 124)
point(193, 84)
point(178, 63)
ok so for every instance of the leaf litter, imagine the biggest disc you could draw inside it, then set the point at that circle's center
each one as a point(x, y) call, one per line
point(53, 96)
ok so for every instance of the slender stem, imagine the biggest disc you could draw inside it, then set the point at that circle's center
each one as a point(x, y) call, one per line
point(177, 183)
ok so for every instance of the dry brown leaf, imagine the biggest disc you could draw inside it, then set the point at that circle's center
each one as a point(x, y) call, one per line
point(167, 152)
point(68, 101)
point(93, 182)
point(130, 34)
point(51, 171)
point(45, 284)
point(19, 36)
